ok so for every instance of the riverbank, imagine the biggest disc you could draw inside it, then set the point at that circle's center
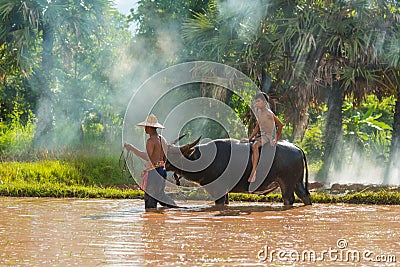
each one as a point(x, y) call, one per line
point(382, 197)
point(100, 177)
point(66, 191)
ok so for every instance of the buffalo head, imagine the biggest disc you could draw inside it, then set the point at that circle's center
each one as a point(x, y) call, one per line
point(176, 153)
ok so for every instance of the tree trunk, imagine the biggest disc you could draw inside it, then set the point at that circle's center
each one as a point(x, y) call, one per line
point(333, 132)
point(300, 126)
point(81, 132)
point(266, 81)
point(44, 133)
point(392, 174)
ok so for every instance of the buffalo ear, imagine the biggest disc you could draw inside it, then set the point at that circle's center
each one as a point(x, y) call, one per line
point(188, 152)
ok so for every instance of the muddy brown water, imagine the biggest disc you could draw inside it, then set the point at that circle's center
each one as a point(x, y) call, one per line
point(76, 232)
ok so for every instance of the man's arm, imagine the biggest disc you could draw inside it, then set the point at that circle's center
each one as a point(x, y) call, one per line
point(280, 126)
point(255, 131)
point(136, 151)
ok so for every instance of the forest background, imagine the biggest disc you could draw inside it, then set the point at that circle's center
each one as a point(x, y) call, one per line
point(68, 69)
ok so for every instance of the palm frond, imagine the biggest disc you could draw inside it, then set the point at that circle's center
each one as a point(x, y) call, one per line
point(393, 53)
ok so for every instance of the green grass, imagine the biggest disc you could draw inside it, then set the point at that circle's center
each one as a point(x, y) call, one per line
point(65, 191)
point(81, 175)
point(380, 197)
point(90, 171)
point(273, 197)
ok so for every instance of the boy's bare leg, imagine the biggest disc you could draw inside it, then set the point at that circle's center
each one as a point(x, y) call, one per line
point(254, 160)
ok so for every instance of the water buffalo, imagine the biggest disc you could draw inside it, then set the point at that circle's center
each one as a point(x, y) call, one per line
point(229, 161)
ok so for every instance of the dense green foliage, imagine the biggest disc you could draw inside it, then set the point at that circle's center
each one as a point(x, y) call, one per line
point(58, 74)
point(367, 128)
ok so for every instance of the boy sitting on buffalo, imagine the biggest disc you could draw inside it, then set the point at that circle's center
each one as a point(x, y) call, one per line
point(264, 130)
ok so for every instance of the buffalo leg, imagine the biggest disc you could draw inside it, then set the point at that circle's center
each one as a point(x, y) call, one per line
point(227, 199)
point(302, 193)
point(288, 199)
point(287, 195)
point(221, 201)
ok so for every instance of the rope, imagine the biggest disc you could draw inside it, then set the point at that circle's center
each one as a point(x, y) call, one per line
point(123, 165)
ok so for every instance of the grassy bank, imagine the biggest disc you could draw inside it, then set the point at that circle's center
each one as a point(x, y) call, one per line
point(76, 191)
point(62, 191)
point(82, 170)
point(380, 197)
point(100, 177)
point(84, 175)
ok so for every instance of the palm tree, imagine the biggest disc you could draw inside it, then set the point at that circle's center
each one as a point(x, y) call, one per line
point(217, 35)
point(239, 37)
point(328, 48)
point(48, 23)
point(348, 67)
point(390, 85)
point(312, 49)
point(390, 82)
point(296, 40)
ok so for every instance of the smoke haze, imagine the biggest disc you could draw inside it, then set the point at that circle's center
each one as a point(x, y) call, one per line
point(136, 61)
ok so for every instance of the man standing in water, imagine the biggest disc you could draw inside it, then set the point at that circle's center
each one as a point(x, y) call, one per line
point(264, 130)
point(154, 176)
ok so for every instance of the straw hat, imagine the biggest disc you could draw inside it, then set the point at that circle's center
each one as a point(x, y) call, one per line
point(151, 121)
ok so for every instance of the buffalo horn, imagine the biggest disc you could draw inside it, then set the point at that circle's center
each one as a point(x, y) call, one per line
point(189, 146)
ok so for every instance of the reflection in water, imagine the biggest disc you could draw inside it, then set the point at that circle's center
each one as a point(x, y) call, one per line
point(65, 232)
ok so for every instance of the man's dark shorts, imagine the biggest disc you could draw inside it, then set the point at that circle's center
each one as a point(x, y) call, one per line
point(154, 191)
